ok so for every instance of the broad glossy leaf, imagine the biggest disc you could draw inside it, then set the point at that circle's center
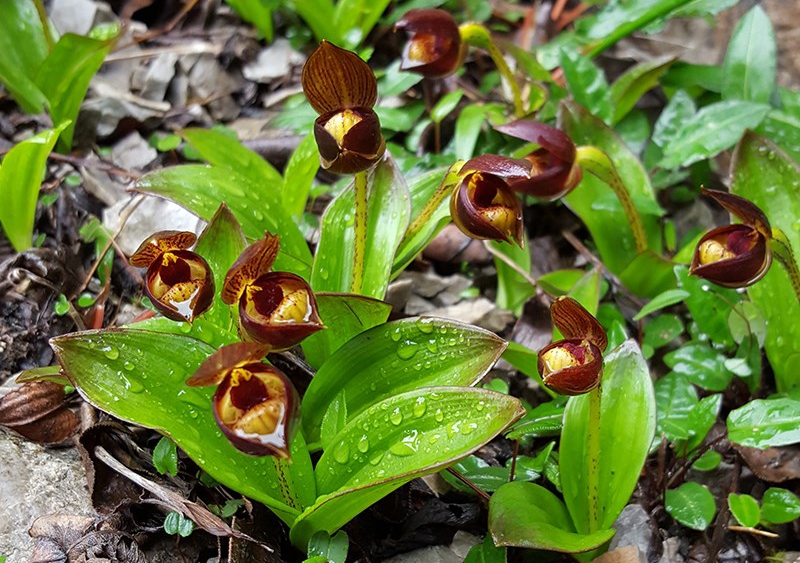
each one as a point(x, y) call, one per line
point(675, 398)
point(64, 78)
point(609, 227)
point(320, 17)
point(199, 328)
point(751, 60)
point(745, 509)
point(345, 315)
point(711, 130)
point(627, 426)
point(396, 357)
point(257, 13)
point(299, 175)
point(523, 359)
point(20, 178)
point(388, 211)
point(486, 552)
point(139, 376)
point(446, 105)
point(257, 207)
point(702, 364)
point(24, 48)
point(783, 128)
point(545, 419)
point(633, 84)
point(587, 84)
point(468, 128)
point(691, 504)
point(220, 244)
point(709, 305)
point(675, 114)
point(702, 418)
point(528, 515)
point(512, 289)
point(665, 299)
point(404, 439)
point(223, 150)
point(767, 177)
point(763, 423)
point(360, 15)
point(623, 15)
point(779, 505)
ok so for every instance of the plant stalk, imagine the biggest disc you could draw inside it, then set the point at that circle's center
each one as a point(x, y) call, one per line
point(477, 35)
point(449, 182)
point(782, 250)
point(360, 226)
point(48, 35)
point(593, 457)
point(596, 162)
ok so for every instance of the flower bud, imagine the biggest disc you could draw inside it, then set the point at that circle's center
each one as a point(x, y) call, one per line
point(178, 282)
point(275, 308)
point(255, 405)
point(734, 255)
point(553, 169)
point(342, 89)
point(574, 365)
point(434, 48)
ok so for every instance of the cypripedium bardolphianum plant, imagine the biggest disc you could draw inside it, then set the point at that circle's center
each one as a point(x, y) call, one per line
point(178, 281)
point(574, 365)
point(482, 204)
point(342, 89)
point(735, 255)
point(554, 172)
point(275, 308)
point(434, 47)
point(255, 405)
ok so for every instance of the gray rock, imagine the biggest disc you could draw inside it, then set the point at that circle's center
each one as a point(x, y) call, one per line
point(209, 81)
point(274, 61)
point(133, 152)
point(101, 185)
point(633, 529)
point(455, 553)
point(671, 551)
point(35, 481)
point(73, 16)
point(152, 81)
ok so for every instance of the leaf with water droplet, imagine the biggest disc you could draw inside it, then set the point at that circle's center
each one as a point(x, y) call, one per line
point(403, 450)
point(370, 366)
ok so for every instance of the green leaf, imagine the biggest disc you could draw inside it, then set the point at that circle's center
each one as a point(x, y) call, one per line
point(522, 358)
point(587, 84)
point(220, 244)
point(257, 207)
point(784, 129)
point(24, 48)
point(512, 289)
point(750, 63)
point(177, 524)
point(408, 435)
point(333, 549)
point(299, 175)
point(609, 227)
point(702, 418)
point(484, 552)
point(320, 16)
point(387, 219)
point(662, 330)
point(165, 457)
point(256, 12)
point(396, 357)
point(20, 177)
point(678, 111)
point(633, 84)
point(138, 376)
point(225, 151)
point(709, 461)
point(468, 128)
point(763, 423)
point(486, 477)
point(528, 515)
point(346, 315)
point(543, 420)
point(711, 130)
point(767, 177)
point(64, 78)
point(701, 364)
point(709, 305)
point(675, 399)
point(745, 509)
point(692, 505)
point(627, 426)
point(446, 105)
point(660, 301)
point(779, 506)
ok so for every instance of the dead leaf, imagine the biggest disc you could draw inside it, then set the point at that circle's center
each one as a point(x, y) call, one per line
point(774, 465)
point(627, 554)
point(37, 411)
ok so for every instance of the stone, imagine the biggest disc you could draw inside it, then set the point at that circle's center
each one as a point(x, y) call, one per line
point(73, 16)
point(36, 481)
point(671, 551)
point(274, 61)
point(633, 529)
point(133, 152)
point(153, 80)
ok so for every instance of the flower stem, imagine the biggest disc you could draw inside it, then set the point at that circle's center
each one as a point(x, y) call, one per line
point(596, 162)
point(360, 225)
point(477, 35)
point(42, 13)
point(593, 457)
point(782, 250)
point(450, 181)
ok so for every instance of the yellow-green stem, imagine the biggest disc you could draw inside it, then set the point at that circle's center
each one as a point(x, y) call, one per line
point(48, 35)
point(782, 250)
point(360, 226)
point(593, 457)
point(595, 161)
point(478, 36)
point(450, 180)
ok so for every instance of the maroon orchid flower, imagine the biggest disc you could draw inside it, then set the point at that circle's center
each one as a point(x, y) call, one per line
point(178, 281)
point(434, 48)
point(255, 404)
point(574, 365)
